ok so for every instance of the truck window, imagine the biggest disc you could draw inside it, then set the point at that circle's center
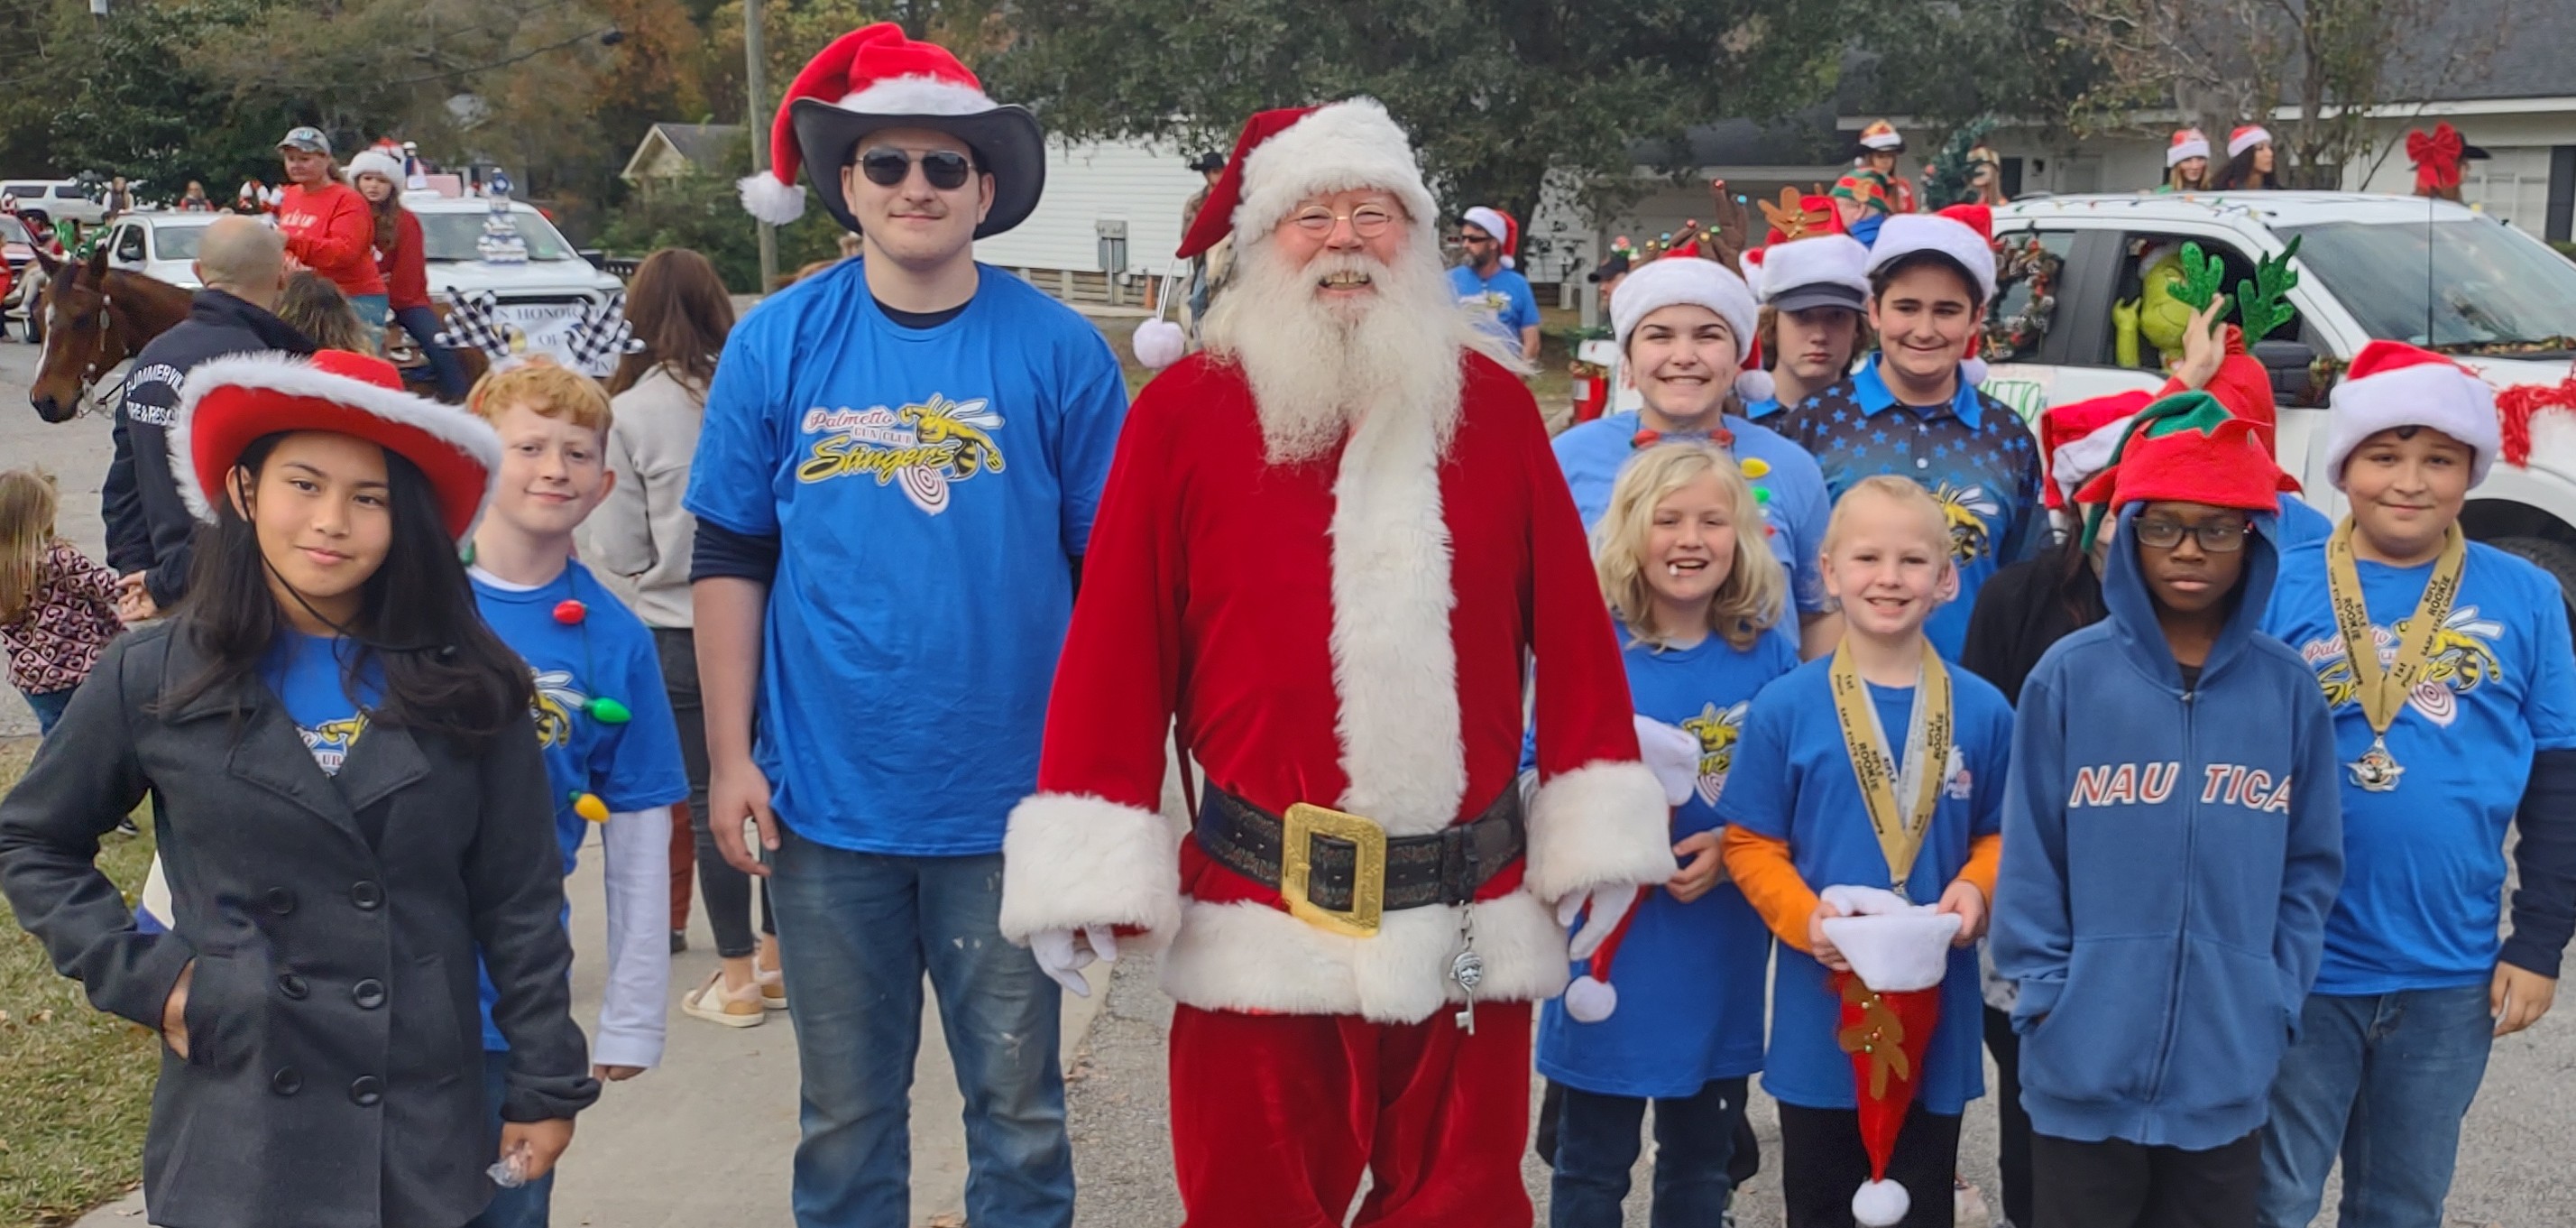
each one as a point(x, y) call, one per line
point(2479, 287)
point(129, 245)
point(2026, 285)
point(2146, 322)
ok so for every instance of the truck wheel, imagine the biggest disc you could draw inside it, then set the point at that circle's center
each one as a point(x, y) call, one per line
point(2555, 557)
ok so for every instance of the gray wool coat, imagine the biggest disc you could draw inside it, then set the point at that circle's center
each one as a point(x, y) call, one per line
point(334, 1073)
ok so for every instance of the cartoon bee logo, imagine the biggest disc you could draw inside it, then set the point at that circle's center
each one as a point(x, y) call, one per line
point(557, 700)
point(2463, 659)
point(1965, 508)
point(1717, 729)
point(962, 429)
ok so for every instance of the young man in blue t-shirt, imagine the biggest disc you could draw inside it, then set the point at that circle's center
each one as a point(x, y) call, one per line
point(1915, 412)
point(894, 489)
point(1489, 287)
point(2458, 721)
point(611, 744)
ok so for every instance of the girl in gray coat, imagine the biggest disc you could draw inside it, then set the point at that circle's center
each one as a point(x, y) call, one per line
point(348, 801)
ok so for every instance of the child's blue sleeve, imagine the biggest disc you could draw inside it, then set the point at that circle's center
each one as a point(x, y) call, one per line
point(644, 768)
point(1095, 410)
point(2033, 922)
point(1994, 767)
point(2550, 703)
point(1807, 510)
point(2313, 873)
point(1759, 789)
point(736, 466)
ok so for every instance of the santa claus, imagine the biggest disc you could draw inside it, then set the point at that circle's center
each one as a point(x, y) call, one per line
point(1330, 547)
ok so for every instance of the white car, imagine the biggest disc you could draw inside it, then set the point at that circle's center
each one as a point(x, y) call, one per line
point(158, 245)
point(2370, 267)
point(58, 200)
point(541, 298)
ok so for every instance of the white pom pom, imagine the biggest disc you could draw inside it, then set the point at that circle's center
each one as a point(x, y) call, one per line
point(1754, 384)
point(1880, 1204)
point(1160, 343)
point(766, 197)
point(1590, 1001)
point(1974, 371)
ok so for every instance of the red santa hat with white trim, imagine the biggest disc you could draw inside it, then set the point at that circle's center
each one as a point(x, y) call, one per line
point(2392, 384)
point(1962, 235)
point(1499, 224)
point(2246, 137)
point(1694, 280)
point(1891, 1001)
point(872, 79)
point(1826, 270)
point(2188, 143)
point(1286, 155)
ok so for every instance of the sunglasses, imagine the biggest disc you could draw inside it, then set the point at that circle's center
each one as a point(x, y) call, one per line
point(946, 169)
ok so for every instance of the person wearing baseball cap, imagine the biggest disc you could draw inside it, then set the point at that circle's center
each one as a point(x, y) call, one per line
point(1489, 287)
point(329, 227)
point(1814, 293)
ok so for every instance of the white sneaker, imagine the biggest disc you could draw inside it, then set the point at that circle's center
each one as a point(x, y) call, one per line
point(732, 1008)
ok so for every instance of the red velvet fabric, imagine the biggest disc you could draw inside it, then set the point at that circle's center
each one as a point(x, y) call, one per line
point(1275, 1118)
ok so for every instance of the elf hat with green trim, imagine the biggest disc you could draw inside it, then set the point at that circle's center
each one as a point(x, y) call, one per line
point(2187, 448)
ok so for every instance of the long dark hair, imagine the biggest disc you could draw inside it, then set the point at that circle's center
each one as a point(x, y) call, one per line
point(444, 670)
point(2072, 582)
point(2239, 174)
point(681, 312)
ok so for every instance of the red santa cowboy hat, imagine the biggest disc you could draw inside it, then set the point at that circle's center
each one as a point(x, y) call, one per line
point(872, 79)
point(1287, 155)
point(1691, 279)
point(232, 402)
point(2247, 137)
point(1891, 1002)
point(1499, 224)
point(2188, 143)
point(2392, 384)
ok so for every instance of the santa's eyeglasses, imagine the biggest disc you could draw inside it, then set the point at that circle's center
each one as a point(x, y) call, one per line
point(946, 169)
point(1367, 221)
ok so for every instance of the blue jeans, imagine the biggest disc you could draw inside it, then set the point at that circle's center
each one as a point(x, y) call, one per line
point(49, 707)
point(856, 931)
point(1596, 1146)
point(2383, 1080)
point(422, 324)
point(526, 1206)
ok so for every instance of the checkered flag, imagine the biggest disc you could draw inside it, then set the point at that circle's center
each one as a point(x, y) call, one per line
point(603, 335)
point(474, 322)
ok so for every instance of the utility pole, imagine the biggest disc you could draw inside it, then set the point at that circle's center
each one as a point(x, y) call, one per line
point(759, 123)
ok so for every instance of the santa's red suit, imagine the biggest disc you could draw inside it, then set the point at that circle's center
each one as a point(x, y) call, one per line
point(1349, 630)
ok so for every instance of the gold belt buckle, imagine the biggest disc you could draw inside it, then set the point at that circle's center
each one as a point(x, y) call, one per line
point(1368, 870)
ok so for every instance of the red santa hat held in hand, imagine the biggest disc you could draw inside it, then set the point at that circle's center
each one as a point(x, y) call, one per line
point(1963, 235)
point(1891, 1002)
point(872, 79)
point(1673, 754)
point(1499, 224)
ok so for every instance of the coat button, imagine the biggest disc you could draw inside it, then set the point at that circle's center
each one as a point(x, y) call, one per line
point(366, 895)
point(293, 986)
point(286, 1082)
point(367, 1091)
point(368, 994)
point(280, 900)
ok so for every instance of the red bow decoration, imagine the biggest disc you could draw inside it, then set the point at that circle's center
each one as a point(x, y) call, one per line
point(2437, 158)
point(2518, 405)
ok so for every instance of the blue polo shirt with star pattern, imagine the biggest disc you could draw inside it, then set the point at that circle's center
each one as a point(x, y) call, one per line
point(1973, 453)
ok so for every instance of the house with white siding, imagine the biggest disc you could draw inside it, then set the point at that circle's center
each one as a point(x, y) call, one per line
point(1107, 225)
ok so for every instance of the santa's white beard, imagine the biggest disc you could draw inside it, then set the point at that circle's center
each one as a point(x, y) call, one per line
point(1318, 366)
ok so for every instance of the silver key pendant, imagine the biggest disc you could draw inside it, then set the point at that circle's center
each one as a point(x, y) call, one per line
point(1467, 968)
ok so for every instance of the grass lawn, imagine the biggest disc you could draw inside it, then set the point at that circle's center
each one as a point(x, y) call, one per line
point(75, 1084)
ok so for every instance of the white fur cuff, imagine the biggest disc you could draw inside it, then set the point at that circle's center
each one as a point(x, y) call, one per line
point(1603, 823)
point(1070, 861)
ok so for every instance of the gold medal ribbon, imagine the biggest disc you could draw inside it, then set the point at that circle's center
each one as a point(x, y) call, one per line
point(2383, 692)
point(1880, 775)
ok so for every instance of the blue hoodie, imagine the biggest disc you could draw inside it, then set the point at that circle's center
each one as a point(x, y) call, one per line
point(2169, 860)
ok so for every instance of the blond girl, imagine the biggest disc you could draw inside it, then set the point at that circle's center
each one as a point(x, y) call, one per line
point(57, 608)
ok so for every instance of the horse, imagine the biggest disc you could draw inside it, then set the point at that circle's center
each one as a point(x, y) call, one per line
point(94, 318)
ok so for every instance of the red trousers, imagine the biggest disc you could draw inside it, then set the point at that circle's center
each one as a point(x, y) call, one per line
point(1275, 1118)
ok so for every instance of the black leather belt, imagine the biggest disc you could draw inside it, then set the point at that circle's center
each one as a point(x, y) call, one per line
point(1341, 852)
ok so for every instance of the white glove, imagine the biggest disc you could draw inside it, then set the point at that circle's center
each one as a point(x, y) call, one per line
point(1063, 954)
point(1672, 754)
point(1609, 903)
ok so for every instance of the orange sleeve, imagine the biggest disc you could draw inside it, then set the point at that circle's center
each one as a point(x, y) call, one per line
point(1985, 860)
point(1762, 870)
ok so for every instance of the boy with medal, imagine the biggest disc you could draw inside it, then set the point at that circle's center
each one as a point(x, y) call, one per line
point(2456, 718)
point(1877, 767)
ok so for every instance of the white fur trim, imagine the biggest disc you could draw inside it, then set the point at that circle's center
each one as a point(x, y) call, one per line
point(918, 96)
point(1908, 233)
point(1487, 220)
point(1343, 146)
point(289, 376)
point(378, 162)
point(1591, 1001)
point(2076, 461)
point(1893, 946)
point(1755, 384)
point(766, 197)
point(1673, 282)
point(2189, 147)
point(1070, 861)
point(1672, 754)
point(1159, 343)
point(1600, 824)
point(2247, 138)
point(1395, 665)
point(1880, 1204)
point(1250, 956)
point(2444, 397)
point(1821, 260)
point(1974, 370)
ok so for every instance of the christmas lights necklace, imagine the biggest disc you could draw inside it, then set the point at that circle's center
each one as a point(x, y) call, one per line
point(572, 611)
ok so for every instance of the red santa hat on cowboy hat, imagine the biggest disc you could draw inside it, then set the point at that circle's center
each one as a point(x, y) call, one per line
point(1499, 224)
point(1961, 234)
point(2246, 137)
point(2392, 384)
point(1891, 1002)
point(2188, 143)
point(231, 402)
point(1287, 155)
point(872, 79)
point(1691, 279)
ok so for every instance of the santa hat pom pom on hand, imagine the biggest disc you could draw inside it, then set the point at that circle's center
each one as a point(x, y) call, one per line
point(1881, 1204)
point(1160, 343)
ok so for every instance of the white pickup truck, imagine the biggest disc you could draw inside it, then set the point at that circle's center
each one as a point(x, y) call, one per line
point(2370, 267)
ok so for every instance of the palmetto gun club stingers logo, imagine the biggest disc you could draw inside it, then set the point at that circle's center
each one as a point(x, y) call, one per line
point(557, 699)
point(331, 741)
point(2463, 659)
point(1966, 509)
point(923, 448)
point(1717, 730)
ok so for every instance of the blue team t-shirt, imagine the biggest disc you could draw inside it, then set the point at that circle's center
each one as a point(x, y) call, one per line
point(1793, 781)
point(929, 488)
point(2424, 865)
point(309, 675)
point(1501, 304)
point(608, 654)
point(2299, 523)
point(1794, 505)
point(1974, 454)
point(1690, 976)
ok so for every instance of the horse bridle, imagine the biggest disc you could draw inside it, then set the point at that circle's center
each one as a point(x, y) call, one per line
point(89, 400)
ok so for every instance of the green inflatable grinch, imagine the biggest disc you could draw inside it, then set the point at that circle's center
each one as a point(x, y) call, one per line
point(2158, 313)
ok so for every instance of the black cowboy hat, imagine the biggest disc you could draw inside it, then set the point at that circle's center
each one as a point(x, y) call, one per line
point(1006, 141)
